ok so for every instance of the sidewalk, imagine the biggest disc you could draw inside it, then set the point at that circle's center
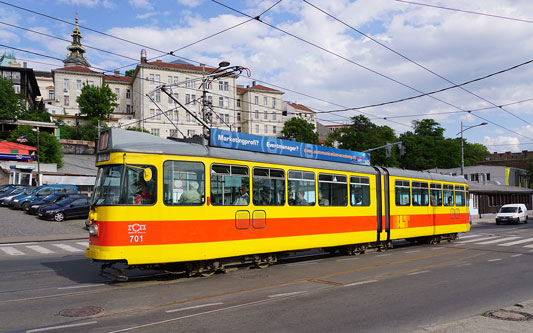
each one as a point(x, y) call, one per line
point(516, 318)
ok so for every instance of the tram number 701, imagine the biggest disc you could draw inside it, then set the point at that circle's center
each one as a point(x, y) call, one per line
point(136, 238)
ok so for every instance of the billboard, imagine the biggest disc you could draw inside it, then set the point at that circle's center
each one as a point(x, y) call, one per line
point(263, 144)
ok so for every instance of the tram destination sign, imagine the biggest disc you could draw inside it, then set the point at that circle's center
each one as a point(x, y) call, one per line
point(263, 144)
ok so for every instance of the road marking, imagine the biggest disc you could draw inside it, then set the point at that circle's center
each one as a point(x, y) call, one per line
point(419, 272)
point(527, 240)
point(476, 240)
point(67, 247)
point(39, 249)
point(383, 255)
point(468, 236)
point(59, 327)
point(494, 260)
point(84, 244)
point(359, 283)
point(345, 259)
point(516, 255)
point(463, 265)
point(194, 307)
point(11, 251)
point(82, 286)
point(497, 240)
point(310, 262)
point(437, 248)
point(287, 294)
point(412, 251)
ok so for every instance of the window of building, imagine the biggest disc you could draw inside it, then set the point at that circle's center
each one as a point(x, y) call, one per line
point(226, 118)
point(403, 193)
point(158, 96)
point(221, 101)
point(157, 78)
point(66, 100)
point(230, 185)
point(193, 97)
point(155, 131)
point(129, 109)
point(256, 114)
point(256, 100)
point(447, 195)
point(189, 83)
point(16, 77)
point(238, 103)
point(16, 87)
point(238, 116)
point(183, 183)
point(78, 84)
point(239, 129)
point(173, 133)
point(226, 86)
point(151, 78)
point(265, 128)
point(51, 94)
point(420, 194)
point(459, 195)
point(274, 130)
point(65, 84)
point(190, 133)
point(220, 85)
point(265, 100)
point(301, 188)
point(210, 99)
point(333, 188)
point(436, 194)
point(187, 98)
point(91, 83)
point(359, 191)
point(273, 103)
point(265, 115)
point(117, 92)
point(273, 115)
point(268, 186)
point(256, 128)
point(128, 93)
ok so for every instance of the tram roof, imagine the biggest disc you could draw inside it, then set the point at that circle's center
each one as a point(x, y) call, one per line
point(137, 142)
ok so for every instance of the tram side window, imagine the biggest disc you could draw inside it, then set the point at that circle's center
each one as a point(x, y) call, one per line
point(459, 195)
point(334, 189)
point(183, 183)
point(140, 191)
point(467, 194)
point(403, 193)
point(436, 194)
point(447, 195)
point(268, 186)
point(230, 185)
point(301, 186)
point(359, 191)
point(420, 194)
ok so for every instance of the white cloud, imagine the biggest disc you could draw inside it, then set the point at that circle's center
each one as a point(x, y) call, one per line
point(190, 3)
point(146, 15)
point(501, 143)
point(143, 4)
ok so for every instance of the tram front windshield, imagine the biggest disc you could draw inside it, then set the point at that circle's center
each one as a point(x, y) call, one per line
point(123, 185)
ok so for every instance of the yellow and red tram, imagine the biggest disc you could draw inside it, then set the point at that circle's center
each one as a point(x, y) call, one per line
point(158, 203)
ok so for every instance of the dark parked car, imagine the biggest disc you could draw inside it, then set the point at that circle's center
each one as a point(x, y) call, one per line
point(33, 207)
point(9, 190)
point(5, 200)
point(70, 207)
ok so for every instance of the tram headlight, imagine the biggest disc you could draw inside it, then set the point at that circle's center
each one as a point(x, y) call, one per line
point(93, 229)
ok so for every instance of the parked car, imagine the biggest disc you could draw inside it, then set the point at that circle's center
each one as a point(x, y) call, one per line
point(41, 192)
point(10, 190)
point(515, 213)
point(72, 206)
point(6, 200)
point(33, 207)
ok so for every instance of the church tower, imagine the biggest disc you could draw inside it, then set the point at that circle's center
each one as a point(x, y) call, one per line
point(76, 57)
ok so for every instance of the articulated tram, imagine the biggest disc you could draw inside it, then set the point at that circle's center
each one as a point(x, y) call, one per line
point(176, 206)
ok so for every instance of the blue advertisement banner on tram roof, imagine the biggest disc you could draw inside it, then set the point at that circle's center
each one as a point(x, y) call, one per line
point(263, 144)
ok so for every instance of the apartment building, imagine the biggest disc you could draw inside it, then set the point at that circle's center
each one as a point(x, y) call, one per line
point(260, 110)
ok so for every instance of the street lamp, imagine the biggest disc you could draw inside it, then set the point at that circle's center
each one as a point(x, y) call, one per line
point(462, 144)
point(38, 158)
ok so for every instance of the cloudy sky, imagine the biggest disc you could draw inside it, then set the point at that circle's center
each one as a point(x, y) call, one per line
point(327, 55)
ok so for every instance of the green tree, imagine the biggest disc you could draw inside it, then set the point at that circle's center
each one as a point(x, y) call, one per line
point(363, 135)
point(97, 102)
point(426, 147)
point(300, 130)
point(474, 152)
point(130, 72)
point(11, 105)
point(48, 144)
point(137, 129)
point(35, 115)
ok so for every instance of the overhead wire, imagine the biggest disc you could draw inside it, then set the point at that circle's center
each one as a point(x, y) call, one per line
point(411, 60)
point(366, 68)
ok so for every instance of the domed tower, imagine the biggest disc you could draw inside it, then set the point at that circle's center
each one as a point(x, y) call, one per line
point(76, 57)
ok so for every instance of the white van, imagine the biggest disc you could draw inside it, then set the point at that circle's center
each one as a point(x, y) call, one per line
point(515, 213)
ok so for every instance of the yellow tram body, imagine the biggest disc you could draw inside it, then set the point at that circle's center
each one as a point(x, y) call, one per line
point(160, 233)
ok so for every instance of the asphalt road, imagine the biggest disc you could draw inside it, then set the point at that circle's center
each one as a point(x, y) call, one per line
point(405, 289)
point(17, 226)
